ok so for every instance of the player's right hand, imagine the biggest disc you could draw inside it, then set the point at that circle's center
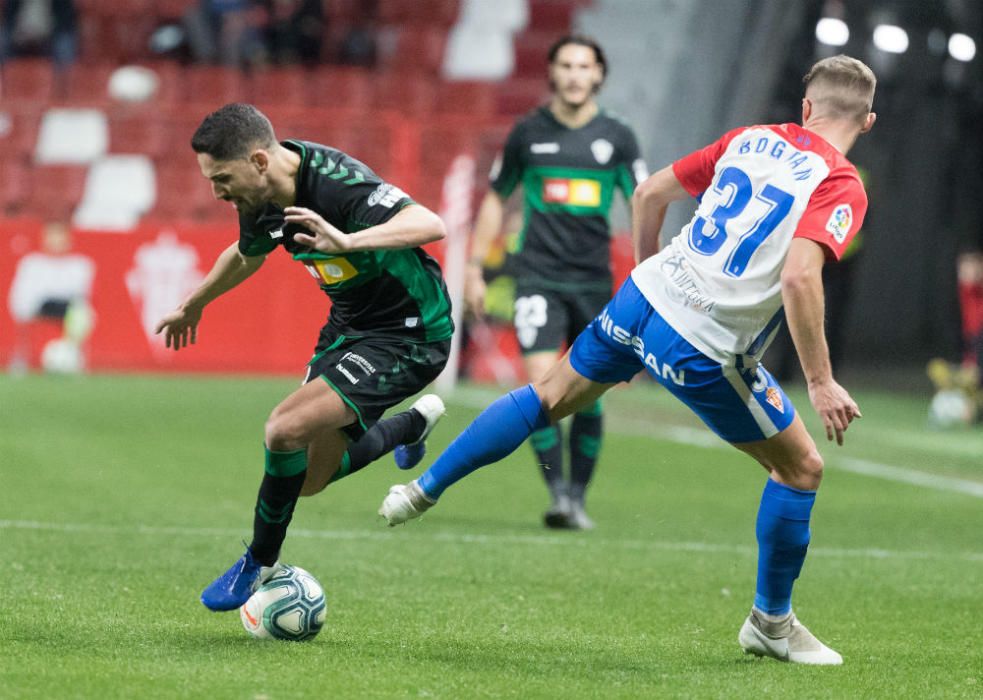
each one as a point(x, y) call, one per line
point(474, 297)
point(180, 327)
point(835, 406)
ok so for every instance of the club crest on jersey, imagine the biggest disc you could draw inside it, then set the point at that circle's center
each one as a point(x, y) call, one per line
point(602, 150)
point(774, 397)
point(839, 222)
point(575, 192)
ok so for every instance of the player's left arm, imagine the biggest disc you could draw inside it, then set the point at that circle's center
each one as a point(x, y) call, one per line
point(802, 294)
point(412, 226)
point(649, 205)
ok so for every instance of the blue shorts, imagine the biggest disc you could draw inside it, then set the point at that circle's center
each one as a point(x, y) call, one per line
point(738, 404)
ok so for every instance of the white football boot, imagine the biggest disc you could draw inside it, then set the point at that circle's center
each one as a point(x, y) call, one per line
point(785, 639)
point(431, 407)
point(404, 502)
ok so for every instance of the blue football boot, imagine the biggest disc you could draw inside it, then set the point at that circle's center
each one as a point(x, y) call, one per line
point(233, 588)
point(432, 409)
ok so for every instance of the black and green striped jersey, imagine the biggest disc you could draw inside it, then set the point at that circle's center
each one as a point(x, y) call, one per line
point(568, 178)
point(380, 291)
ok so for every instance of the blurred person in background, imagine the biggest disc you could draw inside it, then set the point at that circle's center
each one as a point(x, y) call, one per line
point(40, 27)
point(386, 338)
point(295, 31)
point(230, 32)
point(570, 156)
point(52, 285)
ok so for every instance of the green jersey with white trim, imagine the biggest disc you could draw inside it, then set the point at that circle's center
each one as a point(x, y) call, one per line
point(568, 178)
point(399, 292)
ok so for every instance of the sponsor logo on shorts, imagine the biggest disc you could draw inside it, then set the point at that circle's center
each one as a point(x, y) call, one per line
point(276, 233)
point(624, 337)
point(774, 397)
point(359, 361)
point(351, 377)
point(575, 192)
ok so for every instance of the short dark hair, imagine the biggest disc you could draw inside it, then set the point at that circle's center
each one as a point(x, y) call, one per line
point(580, 40)
point(843, 86)
point(232, 132)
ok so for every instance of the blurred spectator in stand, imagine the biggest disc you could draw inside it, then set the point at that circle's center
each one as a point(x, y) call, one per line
point(958, 399)
point(228, 32)
point(971, 306)
point(52, 285)
point(295, 30)
point(40, 27)
point(360, 44)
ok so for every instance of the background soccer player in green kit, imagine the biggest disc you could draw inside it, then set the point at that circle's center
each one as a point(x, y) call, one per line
point(569, 156)
point(387, 337)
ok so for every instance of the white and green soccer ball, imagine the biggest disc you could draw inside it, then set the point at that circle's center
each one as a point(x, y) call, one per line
point(290, 605)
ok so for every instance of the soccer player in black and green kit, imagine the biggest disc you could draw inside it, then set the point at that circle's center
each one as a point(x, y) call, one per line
point(387, 337)
point(569, 156)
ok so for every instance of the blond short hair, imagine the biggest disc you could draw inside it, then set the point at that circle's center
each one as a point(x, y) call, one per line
point(841, 87)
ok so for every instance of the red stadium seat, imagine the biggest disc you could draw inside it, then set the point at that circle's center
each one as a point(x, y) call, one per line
point(475, 98)
point(342, 88)
point(27, 80)
point(554, 16)
point(56, 190)
point(85, 85)
point(15, 186)
point(214, 86)
point(290, 86)
point(141, 132)
point(516, 97)
point(431, 13)
point(408, 94)
point(531, 53)
point(19, 132)
point(419, 49)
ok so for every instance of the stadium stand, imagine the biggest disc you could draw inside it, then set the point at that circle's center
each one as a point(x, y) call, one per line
point(405, 116)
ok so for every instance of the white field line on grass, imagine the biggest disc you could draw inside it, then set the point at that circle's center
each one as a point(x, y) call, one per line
point(701, 437)
point(421, 531)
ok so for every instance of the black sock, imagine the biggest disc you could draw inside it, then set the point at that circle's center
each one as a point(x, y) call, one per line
point(278, 494)
point(381, 438)
point(548, 445)
point(585, 443)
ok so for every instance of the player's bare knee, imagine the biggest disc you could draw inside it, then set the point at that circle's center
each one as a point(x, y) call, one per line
point(284, 433)
point(808, 471)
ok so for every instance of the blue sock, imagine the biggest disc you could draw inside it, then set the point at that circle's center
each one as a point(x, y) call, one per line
point(783, 538)
point(494, 434)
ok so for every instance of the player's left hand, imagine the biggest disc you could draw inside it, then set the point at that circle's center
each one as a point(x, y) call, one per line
point(835, 406)
point(326, 238)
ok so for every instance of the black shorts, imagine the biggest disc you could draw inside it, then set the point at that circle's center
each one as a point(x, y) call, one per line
point(548, 319)
point(372, 373)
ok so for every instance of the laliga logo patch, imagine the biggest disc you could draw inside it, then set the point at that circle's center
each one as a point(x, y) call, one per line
point(602, 150)
point(774, 397)
point(839, 222)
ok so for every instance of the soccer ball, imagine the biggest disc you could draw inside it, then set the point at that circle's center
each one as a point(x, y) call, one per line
point(290, 605)
point(951, 408)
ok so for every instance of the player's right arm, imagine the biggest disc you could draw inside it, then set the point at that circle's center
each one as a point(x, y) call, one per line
point(487, 228)
point(180, 327)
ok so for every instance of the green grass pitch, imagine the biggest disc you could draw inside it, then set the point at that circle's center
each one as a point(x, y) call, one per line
point(121, 497)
